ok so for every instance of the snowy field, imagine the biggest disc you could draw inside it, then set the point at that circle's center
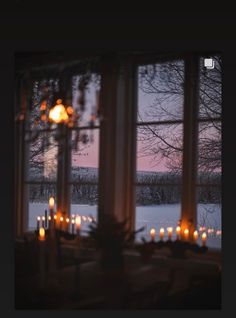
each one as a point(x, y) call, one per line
point(157, 216)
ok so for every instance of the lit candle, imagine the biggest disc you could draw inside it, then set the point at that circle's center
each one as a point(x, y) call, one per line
point(178, 230)
point(186, 234)
point(195, 236)
point(67, 220)
point(51, 203)
point(78, 224)
point(73, 226)
point(162, 232)
point(42, 234)
point(55, 220)
point(42, 256)
point(38, 222)
point(43, 222)
point(51, 210)
point(170, 231)
point(204, 237)
point(152, 234)
point(46, 218)
point(61, 222)
point(49, 218)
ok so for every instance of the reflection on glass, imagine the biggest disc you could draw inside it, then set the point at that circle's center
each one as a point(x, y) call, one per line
point(90, 99)
point(42, 158)
point(161, 91)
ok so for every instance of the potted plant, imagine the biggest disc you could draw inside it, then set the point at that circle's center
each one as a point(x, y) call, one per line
point(111, 237)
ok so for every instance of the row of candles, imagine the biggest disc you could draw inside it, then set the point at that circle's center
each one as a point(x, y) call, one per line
point(75, 220)
point(180, 234)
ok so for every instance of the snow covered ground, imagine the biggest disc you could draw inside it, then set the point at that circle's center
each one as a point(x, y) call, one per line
point(156, 216)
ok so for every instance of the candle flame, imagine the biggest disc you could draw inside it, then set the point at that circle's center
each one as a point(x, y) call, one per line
point(61, 218)
point(67, 220)
point(41, 234)
point(51, 202)
point(78, 220)
point(38, 218)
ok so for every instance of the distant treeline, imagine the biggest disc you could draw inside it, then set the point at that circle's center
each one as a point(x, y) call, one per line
point(151, 188)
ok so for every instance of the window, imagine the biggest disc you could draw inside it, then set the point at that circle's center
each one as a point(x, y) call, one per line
point(84, 167)
point(209, 151)
point(159, 144)
point(163, 117)
point(153, 156)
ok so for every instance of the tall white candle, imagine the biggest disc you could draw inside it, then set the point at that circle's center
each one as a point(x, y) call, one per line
point(170, 231)
point(162, 232)
point(153, 234)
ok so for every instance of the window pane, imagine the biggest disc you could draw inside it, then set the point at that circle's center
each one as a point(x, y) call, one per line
point(42, 158)
point(210, 89)
point(38, 197)
point(157, 206)
point(159, 148)
point(209, 148)
point(91, 86)
point(42, 90)
point(209, 214)
point(85, 155)
point(161, 91)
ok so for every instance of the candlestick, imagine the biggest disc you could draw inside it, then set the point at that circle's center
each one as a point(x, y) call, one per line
point(162, 232)
point(170, 231)
point(51, 211)
point(152, 234)
point(46, 218)
point(38, 222)
point(43, 222)
point(73, 226)
point(195, 236)
point(61, 222)
point(55, 220)
point(178, 231)
point(186, 234)
point(78, 224)
point(204, 237)
point(42, 257)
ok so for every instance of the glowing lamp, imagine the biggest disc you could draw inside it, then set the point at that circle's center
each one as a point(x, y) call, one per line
point(58, 113)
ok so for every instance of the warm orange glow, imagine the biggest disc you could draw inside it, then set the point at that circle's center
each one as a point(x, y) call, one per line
point(55, 217)
point(67, 220)
point(162, 232)
point(41, 234)
point(178, 230)
point(152, 234)
point(61, 219)
point(43, 106)
point(78, 221)
point(43, 117)
point(49, 218)
point(170, 231)
point(204, 237)
point(58, 113)
point(51, 203)
point(195, 236)
point(186, 234)
point(69, 110)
